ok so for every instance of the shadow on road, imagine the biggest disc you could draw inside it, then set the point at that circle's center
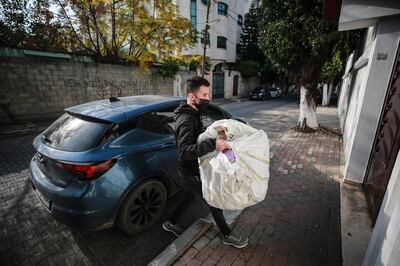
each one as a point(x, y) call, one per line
point(112, 246)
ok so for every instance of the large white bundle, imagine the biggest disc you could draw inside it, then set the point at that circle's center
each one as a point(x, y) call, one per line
point(235, 186)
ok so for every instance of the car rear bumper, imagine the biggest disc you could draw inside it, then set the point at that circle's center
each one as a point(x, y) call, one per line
point(256, 97)
point(83, 205)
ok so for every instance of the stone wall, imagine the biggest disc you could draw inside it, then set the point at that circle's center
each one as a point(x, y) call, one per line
point(33, 88)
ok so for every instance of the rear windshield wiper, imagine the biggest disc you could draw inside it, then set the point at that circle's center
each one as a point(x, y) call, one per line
point(46, 139)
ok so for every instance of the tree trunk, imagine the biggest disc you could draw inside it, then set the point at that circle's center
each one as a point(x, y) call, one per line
point(285, 87)
point(308, 116)
point(113, 30)
point(325, 94)
point(330, 90)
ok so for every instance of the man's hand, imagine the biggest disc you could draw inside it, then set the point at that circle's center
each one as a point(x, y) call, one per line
point(221, 145)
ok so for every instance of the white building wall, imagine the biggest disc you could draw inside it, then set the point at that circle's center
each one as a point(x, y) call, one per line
point(228, 79)
point(367, 93)
point(184, 11)
point(384, 244)
point(353, 113)
point(344, 91)
point(352, 94)
point(231, 35)
point(220, 25)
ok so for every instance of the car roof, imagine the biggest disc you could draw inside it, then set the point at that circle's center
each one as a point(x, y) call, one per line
point(118, 110)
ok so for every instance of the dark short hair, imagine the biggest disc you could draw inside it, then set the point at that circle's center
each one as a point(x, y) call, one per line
point(193, 84)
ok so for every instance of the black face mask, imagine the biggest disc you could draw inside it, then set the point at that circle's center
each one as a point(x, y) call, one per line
point(202, 104)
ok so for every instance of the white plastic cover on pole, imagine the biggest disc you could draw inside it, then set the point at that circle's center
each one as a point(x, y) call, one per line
point(235, 186)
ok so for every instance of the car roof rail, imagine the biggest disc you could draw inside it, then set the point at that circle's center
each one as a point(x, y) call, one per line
point(114, 99)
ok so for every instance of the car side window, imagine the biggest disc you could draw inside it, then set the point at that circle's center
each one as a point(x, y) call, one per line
point(127, 126)
point(167, 118)
point(160, 121)
point(112, 133)
point(210, 115)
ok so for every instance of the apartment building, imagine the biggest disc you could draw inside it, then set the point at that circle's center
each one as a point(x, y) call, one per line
point(226, 19)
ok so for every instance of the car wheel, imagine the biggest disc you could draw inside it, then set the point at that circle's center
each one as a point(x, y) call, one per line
point(143, 207)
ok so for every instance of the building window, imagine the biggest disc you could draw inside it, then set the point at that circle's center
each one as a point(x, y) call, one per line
point(202, 37)
point(193, 16)
point(205, 2)
point(240, 20)
point(222, 8)
point(221, 42)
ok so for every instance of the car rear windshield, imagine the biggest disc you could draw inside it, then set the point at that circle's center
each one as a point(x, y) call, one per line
point(72, 133)
point(273, 89)
point(257, 89)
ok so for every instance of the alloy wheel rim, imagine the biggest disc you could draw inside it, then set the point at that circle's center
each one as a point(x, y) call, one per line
point(146, 207)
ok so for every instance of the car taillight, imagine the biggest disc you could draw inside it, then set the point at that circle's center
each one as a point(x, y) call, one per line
point(85, 171)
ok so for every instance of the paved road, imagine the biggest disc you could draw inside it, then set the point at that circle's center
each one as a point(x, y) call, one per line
point(273, 116)
point(29, 235)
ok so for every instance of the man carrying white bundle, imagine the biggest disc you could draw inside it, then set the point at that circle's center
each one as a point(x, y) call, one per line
point(188, 128)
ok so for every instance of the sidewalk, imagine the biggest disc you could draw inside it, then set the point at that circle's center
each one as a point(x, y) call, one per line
point(299, 221)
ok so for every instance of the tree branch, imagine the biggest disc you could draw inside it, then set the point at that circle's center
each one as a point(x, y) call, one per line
point(72, 27)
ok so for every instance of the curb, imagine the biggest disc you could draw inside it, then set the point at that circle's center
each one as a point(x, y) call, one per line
point(181, 243)
point(178, 247)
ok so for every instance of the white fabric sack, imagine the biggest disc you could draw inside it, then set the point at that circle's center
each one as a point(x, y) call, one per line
point(235, 186)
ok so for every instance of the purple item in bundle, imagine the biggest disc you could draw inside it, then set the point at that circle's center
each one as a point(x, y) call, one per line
point(230, 155)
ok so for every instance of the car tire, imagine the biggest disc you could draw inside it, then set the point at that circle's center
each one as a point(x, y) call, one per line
point(143, 207)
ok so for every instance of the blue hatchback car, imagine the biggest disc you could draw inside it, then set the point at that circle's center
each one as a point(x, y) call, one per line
point(110, 162)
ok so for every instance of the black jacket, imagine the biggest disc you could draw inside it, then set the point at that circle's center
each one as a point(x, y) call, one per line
point(188, 128)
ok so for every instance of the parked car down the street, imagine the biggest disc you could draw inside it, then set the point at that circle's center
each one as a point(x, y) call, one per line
point(275, 92)
point(259, 93)
point(110, 162)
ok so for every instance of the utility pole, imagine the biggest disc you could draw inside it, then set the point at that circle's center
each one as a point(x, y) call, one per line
point(203, 65)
